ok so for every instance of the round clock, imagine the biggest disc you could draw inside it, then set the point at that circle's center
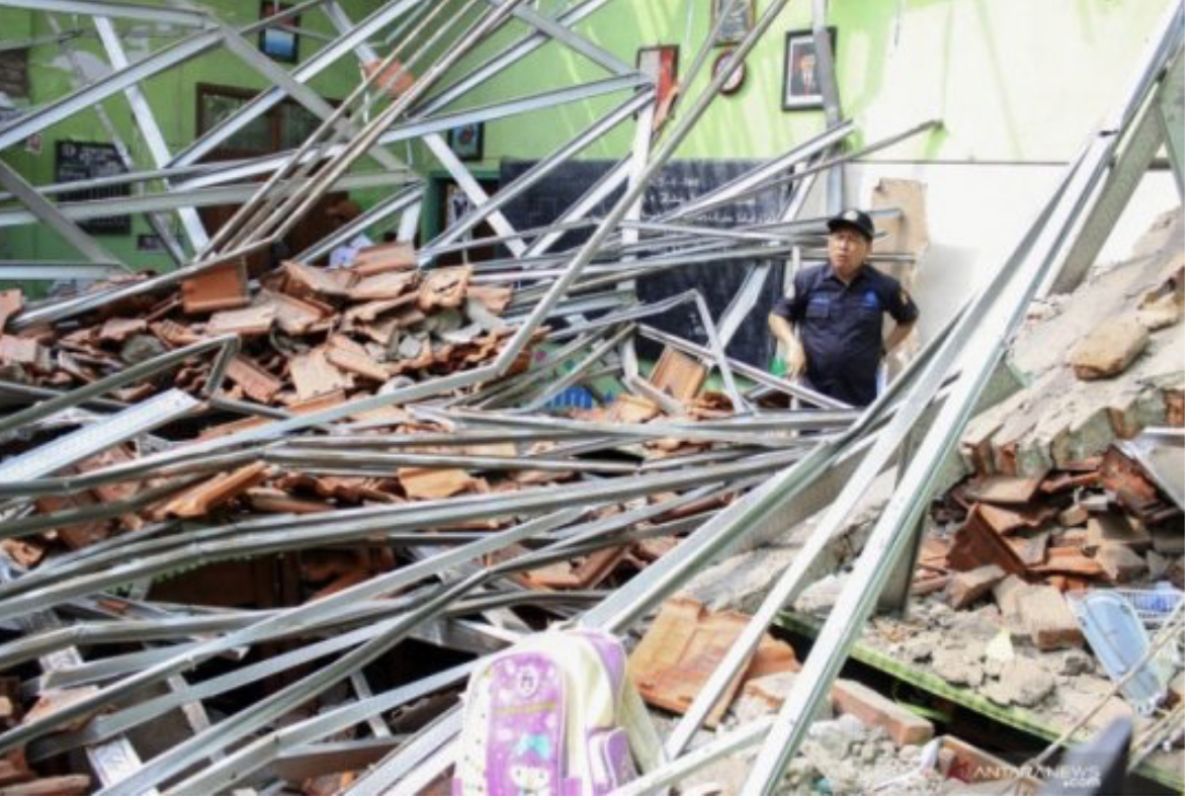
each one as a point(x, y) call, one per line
point(736, 79)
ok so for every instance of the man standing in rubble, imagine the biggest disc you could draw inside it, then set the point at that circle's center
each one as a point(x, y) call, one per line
point(839, 308)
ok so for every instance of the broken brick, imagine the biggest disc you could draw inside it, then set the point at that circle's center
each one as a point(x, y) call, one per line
point(495, 298)
point(294, 315)
point(1006, 519)
point(384, 286)
point(1068, 481)
point(1105, 528)
point(584, 572)
point(1048, 619)
point(965, 588)
point(902, 726)
point(976, 544)
point(1006, 593)
point(631, 409)
point(1069, 561)
point(1030, 549)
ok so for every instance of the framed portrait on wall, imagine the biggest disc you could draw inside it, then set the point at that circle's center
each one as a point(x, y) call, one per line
point(801, 83)
point(662, 64)
point(467, 141)
point(736, 24)
point(279, 43)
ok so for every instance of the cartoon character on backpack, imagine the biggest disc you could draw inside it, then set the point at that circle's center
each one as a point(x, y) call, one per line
point(552, 716)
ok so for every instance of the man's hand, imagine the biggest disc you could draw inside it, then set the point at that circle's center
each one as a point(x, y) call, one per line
point(796, 362)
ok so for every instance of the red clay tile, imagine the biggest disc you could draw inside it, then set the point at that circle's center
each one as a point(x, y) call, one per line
point(218, 289)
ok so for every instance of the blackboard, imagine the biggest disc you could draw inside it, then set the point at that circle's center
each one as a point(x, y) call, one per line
point(679, 182)
point(77, 161)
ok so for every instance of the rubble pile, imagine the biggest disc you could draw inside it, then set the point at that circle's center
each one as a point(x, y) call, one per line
point(308, 334)
point(204, 529)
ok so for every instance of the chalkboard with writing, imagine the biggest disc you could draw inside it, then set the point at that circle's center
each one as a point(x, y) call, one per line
point(679, 182)
point(77, 161)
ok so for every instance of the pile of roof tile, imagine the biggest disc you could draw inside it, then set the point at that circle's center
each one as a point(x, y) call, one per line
point(1098, 522)
point(306, 332)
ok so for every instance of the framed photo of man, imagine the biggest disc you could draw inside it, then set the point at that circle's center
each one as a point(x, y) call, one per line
point(733, 28)
point(801, 81)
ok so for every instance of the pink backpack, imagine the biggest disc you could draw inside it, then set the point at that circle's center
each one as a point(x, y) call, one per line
point(552, 716)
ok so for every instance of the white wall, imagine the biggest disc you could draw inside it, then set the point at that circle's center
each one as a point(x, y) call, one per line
point(976, 214)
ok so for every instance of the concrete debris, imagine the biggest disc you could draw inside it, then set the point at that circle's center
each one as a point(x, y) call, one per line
point(1022, 682)
point(1109, 348)
point(960, 664)
point(262, 516)
point(1057, 418)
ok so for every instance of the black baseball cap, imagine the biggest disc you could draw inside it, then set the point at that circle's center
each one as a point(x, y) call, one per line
point(853, 218)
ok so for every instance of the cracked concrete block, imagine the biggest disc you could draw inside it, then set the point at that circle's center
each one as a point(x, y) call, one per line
point(1109, 348)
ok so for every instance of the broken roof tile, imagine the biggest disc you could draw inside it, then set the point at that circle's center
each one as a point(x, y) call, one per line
point(683, 647)
point(631, 408)
point(387, 257)
point(425, 483)
point(251, 321)
point(494, 297)
point(216, 491)
point(1003, 489)
point(258, 384)
point(303, 280)
point(295, 316)
point(384, 286)
point(173, 334)
point(444, 288)
point(218, 289)
point(313, 375)
point(678, 375)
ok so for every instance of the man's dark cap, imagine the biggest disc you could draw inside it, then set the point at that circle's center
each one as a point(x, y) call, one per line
point(853, 218)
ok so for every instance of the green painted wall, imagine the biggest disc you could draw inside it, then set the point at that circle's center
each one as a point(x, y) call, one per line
point(1020, 80)
point(1013, 80)
point(172, 95)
